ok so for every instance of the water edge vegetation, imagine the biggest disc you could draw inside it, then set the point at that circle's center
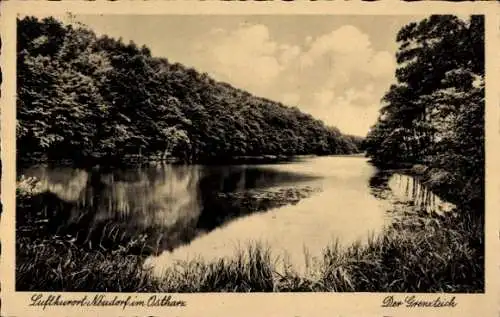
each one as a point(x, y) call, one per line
point(433, 119)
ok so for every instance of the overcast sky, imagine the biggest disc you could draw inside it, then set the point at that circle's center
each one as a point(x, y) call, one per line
point(336, 68)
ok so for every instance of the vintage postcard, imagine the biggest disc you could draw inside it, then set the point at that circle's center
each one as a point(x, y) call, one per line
point(222, 159)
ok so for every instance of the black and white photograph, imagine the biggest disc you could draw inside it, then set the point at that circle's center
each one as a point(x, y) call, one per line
point(228, 160)
point(250, 153)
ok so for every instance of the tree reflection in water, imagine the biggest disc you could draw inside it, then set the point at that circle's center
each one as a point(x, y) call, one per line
point(165, 205)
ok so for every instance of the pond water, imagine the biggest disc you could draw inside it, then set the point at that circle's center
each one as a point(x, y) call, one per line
point(184, 211)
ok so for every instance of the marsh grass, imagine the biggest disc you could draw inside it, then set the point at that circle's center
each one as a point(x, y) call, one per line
point(438, 257)
point(417, 253)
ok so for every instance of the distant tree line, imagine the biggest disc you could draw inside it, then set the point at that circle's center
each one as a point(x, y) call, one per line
point(81, 96)
point(434, 114)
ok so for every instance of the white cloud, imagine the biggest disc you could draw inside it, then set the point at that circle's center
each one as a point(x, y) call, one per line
point(346, 40)
point(382, 64)
point(353, 111)
point(290, 98)
point(247, 56)
point(357, 77)
point(348, 51)
point(323, 97)
point(337, 77)
point(352, 119)
point(288, 53)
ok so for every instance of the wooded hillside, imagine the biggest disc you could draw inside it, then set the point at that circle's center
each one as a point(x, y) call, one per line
point(81, 96)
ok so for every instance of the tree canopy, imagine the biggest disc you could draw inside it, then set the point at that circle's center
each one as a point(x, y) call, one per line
point(83, 96)
point(434, 114)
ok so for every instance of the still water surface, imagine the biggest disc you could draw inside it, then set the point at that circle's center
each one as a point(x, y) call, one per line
point(187, 211)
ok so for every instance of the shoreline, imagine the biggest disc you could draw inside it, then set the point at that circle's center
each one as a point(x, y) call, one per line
point(130, 162)
point(413, 241)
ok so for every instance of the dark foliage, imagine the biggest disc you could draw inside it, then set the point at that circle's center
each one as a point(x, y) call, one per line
point(83, 97)
point(434, 115)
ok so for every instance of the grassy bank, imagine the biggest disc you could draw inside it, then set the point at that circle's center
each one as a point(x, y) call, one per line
point(417, 253)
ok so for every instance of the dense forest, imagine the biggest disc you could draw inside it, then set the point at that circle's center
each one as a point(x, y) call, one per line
point(83, 97)
point(434, 114)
